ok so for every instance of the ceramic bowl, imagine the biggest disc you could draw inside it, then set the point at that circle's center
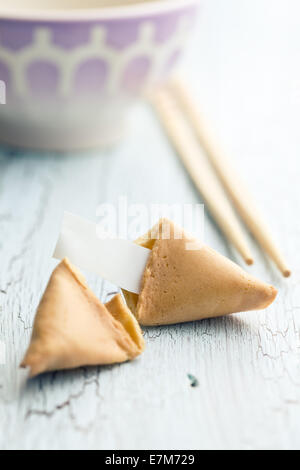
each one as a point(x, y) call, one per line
point(71, 74)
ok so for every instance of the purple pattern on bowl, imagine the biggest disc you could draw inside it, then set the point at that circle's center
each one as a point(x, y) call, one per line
point(135, 74)
point(86, 70)
point(70, 36)
point(14, 35)
point(90, 76)
point(42, 78)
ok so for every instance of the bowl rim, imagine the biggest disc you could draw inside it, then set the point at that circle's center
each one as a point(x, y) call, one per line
point(135, 10)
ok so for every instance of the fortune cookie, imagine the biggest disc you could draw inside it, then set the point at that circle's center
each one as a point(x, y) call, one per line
point(185, 280)
point(73, 328)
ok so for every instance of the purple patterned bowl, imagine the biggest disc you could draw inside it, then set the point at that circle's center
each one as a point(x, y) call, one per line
point(71, 74)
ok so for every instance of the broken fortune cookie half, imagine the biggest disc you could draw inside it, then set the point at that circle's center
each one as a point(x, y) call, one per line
point(73, 328)
point(185, 280)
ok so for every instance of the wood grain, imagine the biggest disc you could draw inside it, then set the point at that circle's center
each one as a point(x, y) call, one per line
point(247, 365)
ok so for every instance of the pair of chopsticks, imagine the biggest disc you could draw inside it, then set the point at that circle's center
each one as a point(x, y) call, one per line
point(213, 173)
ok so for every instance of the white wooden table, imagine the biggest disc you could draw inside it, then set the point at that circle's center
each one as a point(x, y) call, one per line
point(244, 65)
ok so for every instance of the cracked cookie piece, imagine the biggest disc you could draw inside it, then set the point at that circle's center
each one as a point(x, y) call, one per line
point(73, 328)
point(185, 280)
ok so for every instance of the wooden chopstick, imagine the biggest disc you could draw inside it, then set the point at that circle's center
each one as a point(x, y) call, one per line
point(231, 181)
point(200, 170)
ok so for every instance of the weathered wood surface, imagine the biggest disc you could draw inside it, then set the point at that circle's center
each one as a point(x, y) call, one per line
point(247, 75)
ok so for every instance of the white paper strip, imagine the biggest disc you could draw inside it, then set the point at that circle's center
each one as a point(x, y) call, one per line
point(121, 262)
